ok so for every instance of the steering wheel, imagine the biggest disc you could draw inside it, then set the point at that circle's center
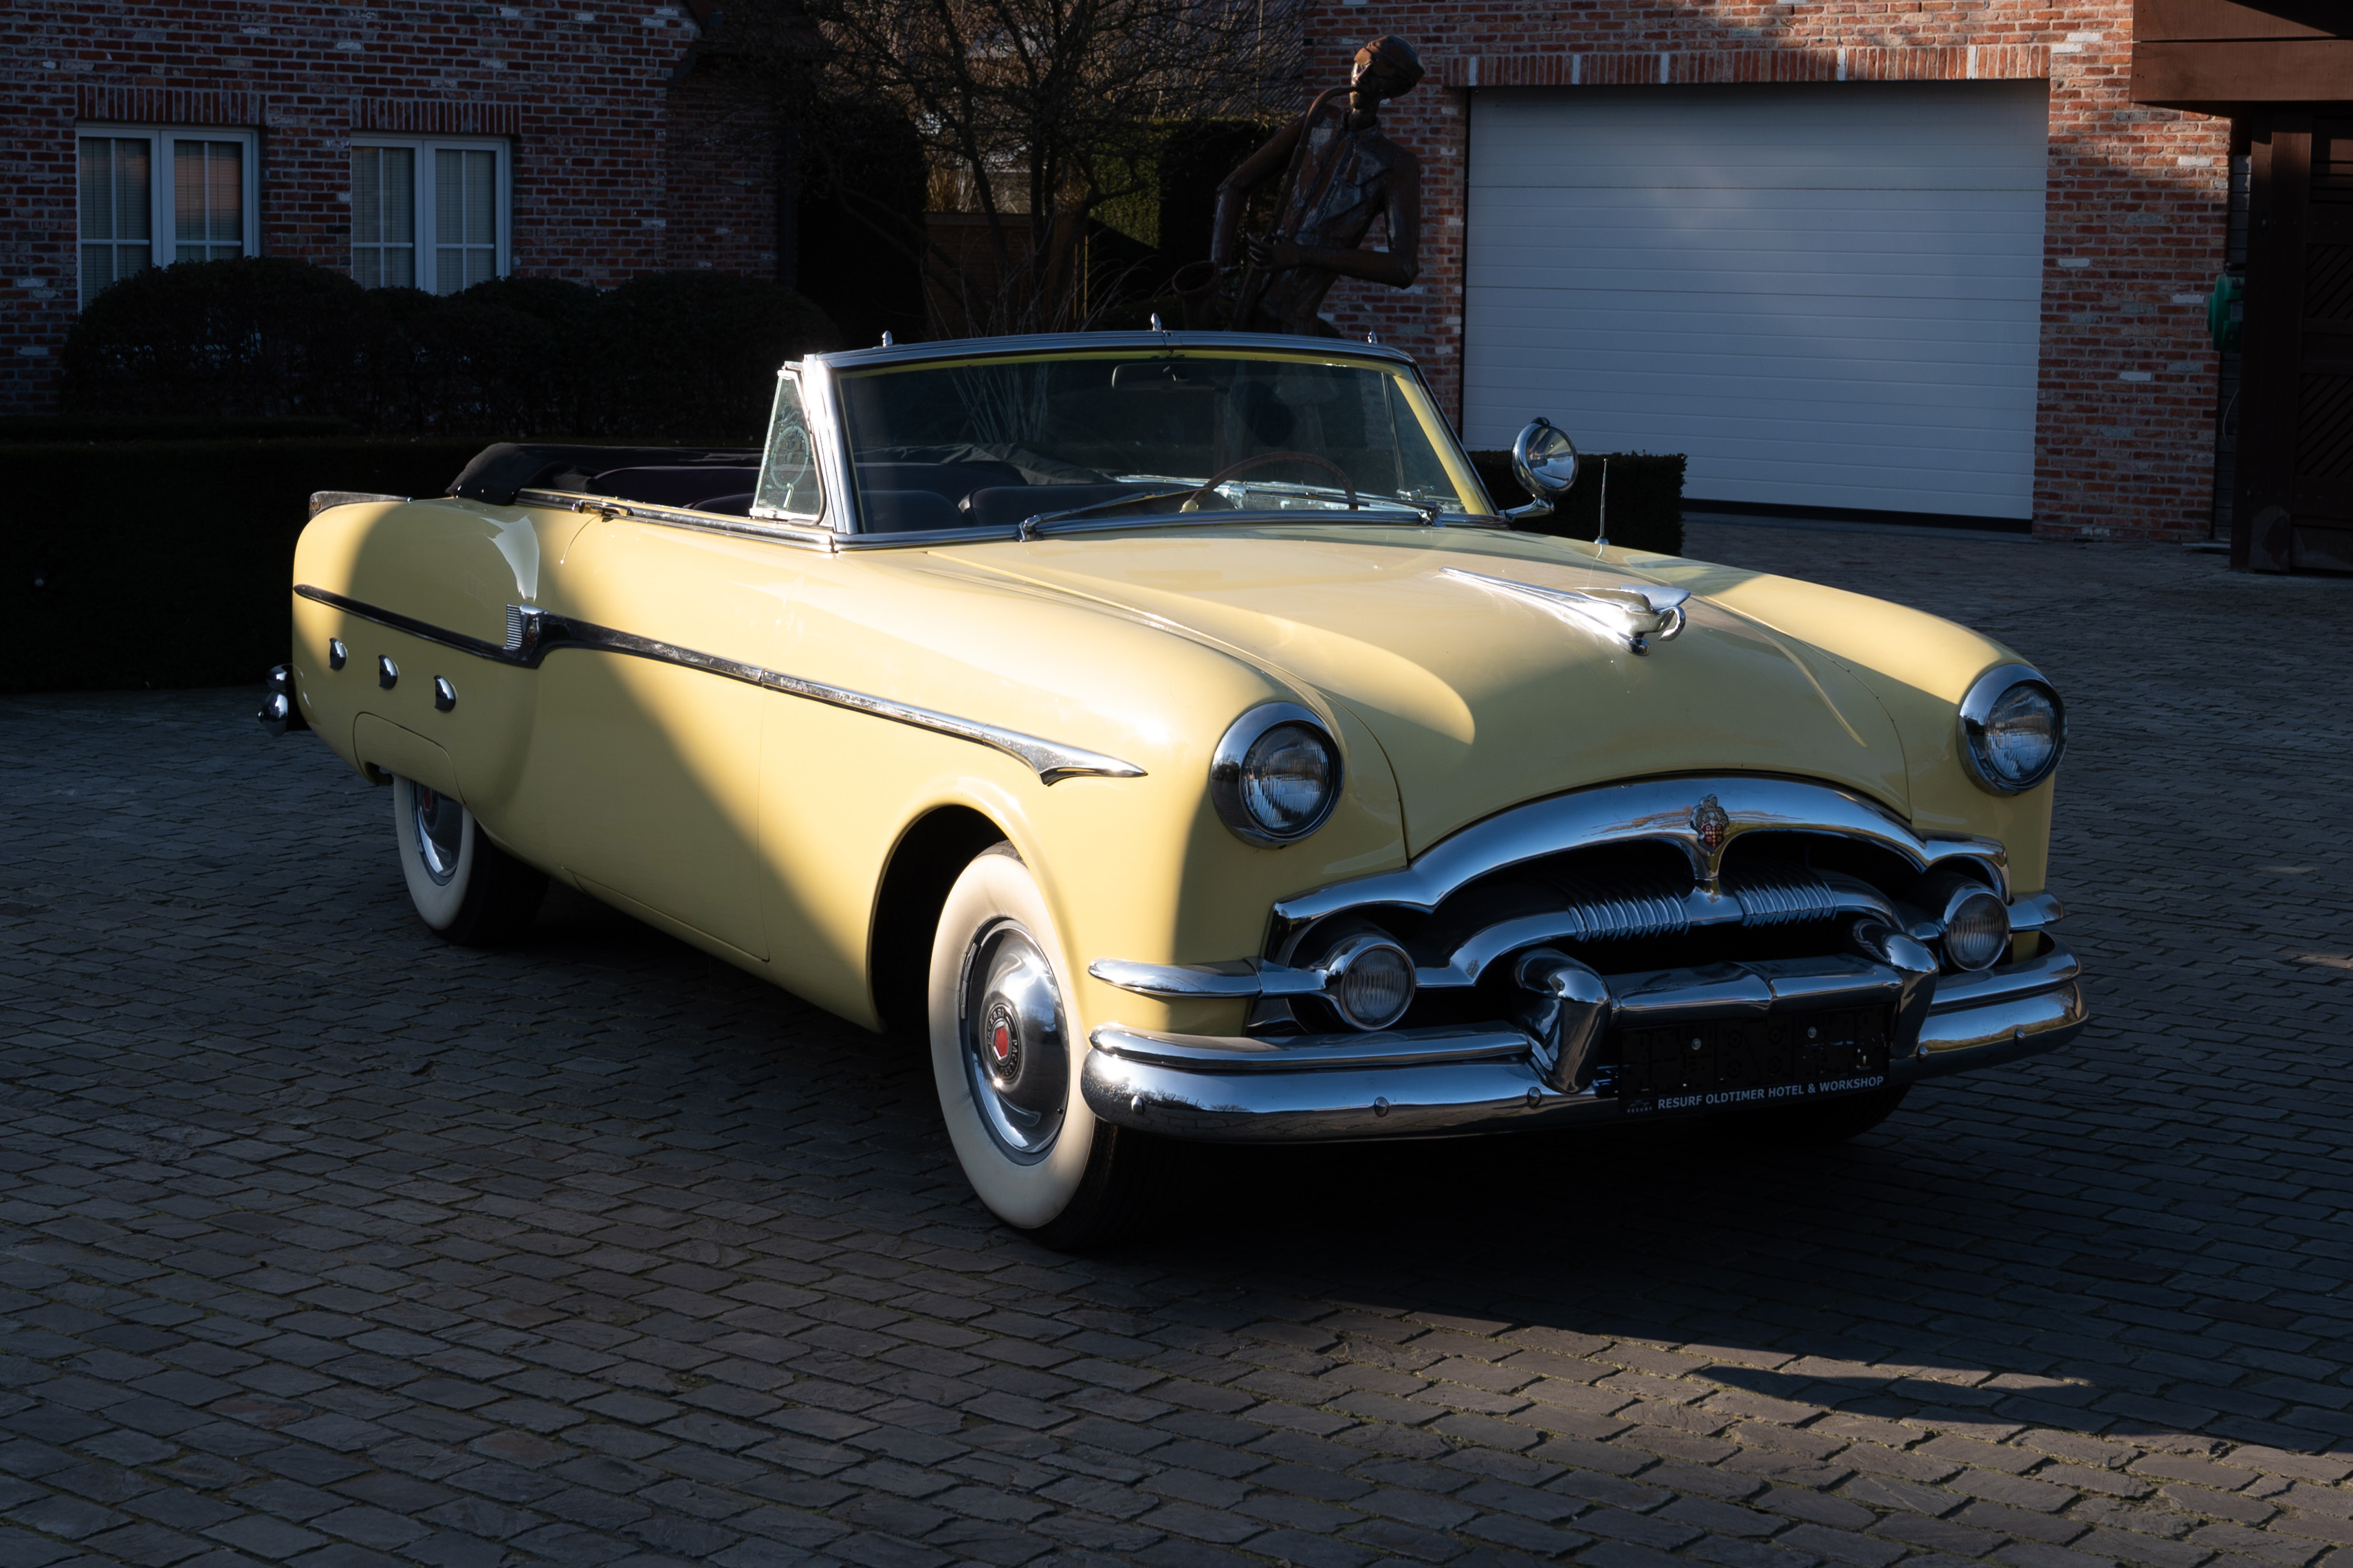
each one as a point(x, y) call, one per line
point(1193, 501)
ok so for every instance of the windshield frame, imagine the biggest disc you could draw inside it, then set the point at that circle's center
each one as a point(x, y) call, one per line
point(822, 385)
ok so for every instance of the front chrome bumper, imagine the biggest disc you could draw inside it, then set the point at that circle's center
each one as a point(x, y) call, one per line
point(1426, 1082)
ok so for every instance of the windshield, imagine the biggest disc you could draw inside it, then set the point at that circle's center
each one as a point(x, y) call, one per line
point(992, 443)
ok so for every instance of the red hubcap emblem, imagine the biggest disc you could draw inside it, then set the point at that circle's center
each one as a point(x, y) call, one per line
point(1001, 1043)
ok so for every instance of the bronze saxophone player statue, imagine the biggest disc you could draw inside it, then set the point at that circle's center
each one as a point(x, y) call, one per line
point(1339, 173)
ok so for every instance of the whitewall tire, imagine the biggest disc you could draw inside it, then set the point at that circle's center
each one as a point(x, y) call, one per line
point(1005, 1057)
point(465, 887)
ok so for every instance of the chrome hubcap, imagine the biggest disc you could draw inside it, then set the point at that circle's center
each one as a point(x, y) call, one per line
point(440, 826)
point(1016, 1050)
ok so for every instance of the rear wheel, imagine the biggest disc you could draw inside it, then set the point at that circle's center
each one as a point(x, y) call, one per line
point(1007, 1067)
point(467, 889)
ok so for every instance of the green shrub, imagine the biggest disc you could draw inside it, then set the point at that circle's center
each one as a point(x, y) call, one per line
point(169, 563)
point(1646, 498)
point(258, 336)
point(693, 355)
point(685, 355)
point(163, 427)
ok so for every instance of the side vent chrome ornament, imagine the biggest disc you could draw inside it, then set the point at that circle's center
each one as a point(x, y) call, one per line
point(388, 674)
point(337, 654)
point(445, 696)
point(524, 624)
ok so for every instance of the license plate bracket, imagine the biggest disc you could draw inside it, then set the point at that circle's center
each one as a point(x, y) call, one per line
point(1730, 1064)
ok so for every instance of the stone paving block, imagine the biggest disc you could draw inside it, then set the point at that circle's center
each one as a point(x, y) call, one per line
point(595, 1252)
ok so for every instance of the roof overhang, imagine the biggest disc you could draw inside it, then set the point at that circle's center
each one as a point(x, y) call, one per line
point(2220, 57)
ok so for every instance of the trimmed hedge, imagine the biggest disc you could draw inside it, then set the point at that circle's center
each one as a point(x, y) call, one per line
point(686, 357)
point(1646, 498)
point(168, 562)
point(161, 427)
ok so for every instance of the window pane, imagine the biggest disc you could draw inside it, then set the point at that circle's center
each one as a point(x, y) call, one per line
point(788, 483)
point(134, 214)
point(114, 210)
point(208, 200)
point(465, 217)
point(114, 188)
point(383, 216)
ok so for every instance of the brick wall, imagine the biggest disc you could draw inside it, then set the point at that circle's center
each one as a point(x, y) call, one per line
point(581, 89)
point(2134, 222)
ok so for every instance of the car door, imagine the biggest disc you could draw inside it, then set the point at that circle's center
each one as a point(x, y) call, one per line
point(648, 761)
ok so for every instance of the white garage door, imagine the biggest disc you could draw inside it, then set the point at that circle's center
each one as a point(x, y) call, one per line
point(1826, 296)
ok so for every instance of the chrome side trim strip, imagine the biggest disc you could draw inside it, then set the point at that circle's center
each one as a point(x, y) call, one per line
point(409, 624)
point(533, 634)
point(1665, 810)
point(799, 538)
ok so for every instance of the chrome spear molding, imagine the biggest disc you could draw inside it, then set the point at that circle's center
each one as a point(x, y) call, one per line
point(532, 633)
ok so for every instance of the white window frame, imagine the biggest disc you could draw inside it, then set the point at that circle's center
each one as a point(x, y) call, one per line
point(428, 210)
point(162, 221)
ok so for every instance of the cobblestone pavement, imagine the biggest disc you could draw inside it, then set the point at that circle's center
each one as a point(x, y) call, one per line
point(322, 1243)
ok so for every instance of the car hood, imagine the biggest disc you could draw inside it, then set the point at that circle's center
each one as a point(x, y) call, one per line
point(1482, 697)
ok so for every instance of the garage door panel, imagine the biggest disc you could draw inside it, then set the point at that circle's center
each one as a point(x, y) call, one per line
point(1823, 295)
point(1982, 333)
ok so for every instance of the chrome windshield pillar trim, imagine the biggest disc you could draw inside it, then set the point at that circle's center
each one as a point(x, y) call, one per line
point(1102, 342)
point(1664, 810)
point(532, 633)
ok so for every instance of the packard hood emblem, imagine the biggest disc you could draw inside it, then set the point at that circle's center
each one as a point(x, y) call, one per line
point(1711, 822)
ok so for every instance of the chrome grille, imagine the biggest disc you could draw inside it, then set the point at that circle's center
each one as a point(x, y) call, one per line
point(1772, 895)
point(1623, 914)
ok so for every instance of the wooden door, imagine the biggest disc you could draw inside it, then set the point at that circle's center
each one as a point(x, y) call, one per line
point(2295, 502)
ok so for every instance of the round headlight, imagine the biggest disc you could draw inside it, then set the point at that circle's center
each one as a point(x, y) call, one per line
point(1370, 981)
point(1976, 929)
point(1276, 775)
point(2013, 728)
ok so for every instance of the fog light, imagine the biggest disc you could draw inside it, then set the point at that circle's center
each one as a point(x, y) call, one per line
point(1976, 929)
point(1370, 980)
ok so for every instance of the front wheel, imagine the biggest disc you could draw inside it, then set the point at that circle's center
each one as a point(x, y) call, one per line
point(467, 889)
point(1007, 1067)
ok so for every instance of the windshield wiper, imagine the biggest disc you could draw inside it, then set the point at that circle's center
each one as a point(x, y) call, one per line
point(1030, 525)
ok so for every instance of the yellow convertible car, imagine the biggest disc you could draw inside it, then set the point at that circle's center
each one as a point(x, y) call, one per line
point(1169, 728)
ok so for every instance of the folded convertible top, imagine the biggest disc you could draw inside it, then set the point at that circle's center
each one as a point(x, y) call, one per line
point(498, 473)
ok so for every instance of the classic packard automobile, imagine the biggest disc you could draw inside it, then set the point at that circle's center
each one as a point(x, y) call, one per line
point(1169, 729)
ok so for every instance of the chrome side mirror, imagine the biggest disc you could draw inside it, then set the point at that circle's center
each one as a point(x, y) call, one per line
point(1544, 459)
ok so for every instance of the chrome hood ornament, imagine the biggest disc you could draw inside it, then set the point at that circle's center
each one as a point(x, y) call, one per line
point(1712, 823)
point(1630, 614)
